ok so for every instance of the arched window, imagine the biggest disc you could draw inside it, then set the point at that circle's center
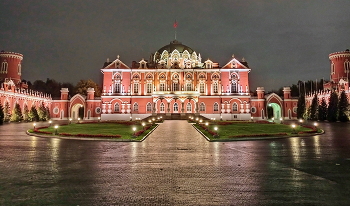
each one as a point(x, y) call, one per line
point(332, 68)
point(176, 107)
point(19, 69)
point(4, 66)
point(189, 86)
point(202, 107)
point(136, 107)
point(235, 107)
point(162, 107)
point(216, 107)
point(347, 66)
point(201, 87)
point(189, 107)
point(116, 107)
point(215, 87)
point(233, 87)
point(149, 107)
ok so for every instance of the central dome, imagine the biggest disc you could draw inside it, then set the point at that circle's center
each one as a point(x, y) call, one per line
point(175, 45)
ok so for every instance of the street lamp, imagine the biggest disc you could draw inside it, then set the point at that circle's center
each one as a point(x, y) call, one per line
point(34, 124)
point(206, 124)
point(143, 125)
point(56, 128)
point(301, 121)
point(70, 120)
point(273, 119)
point(50, 122)
point(216, 132)
point(315, 124)
point(99, 119)
point(79, 120)
point(134, 129)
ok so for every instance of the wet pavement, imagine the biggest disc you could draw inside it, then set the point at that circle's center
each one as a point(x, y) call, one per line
point(175, 166)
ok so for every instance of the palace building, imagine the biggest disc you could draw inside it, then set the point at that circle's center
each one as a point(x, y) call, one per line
point(174, 83)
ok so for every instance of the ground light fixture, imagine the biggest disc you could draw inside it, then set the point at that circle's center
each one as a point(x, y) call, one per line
point(56, 129)
point(300, 120)
point(315, 124)
point(34, 124)
point(50, 122)
point(99, 119)
point(134, 130)
point(143, 125)
point(206, 124)
point(293, 126)
point(70, 120)
point(78, 120)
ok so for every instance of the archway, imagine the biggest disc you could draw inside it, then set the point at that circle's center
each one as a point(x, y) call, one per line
point(274, 110)
point(77, 111)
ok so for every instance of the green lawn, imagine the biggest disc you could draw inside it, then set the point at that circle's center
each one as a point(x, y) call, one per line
point(236, 130)
point(125, 131)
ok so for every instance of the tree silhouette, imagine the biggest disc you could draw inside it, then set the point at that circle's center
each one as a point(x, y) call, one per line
point(343, 106)
point(332, 111)
point(322, 110)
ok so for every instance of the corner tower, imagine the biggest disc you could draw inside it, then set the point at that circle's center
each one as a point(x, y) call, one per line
point(340, 66)
point(10, 66)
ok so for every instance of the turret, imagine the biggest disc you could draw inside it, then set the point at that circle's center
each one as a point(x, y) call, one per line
point(340, 65)
point(11, 66)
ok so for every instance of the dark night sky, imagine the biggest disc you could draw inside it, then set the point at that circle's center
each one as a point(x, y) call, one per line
point(283, 41)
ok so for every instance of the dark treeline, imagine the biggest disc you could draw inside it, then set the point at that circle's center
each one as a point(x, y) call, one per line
point(51, 86)
point(302, 87)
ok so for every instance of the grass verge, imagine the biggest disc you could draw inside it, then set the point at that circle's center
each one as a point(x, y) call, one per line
point(110, 130)
point(232, 130)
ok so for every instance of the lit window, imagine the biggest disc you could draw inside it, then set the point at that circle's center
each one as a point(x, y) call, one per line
point(176, 107)
point(162, 107)
point(136, 107)
point(149, 88)
point(201, 87)
point(116, 107)
point(202, 107)
point(117, 88)
point(189, 107)
point(234, 87)
point(162, 87)
point(149, 107)
point(189, 87)
point(216, 107)
point(235, 107)
point(215, 87)
point(136, 88)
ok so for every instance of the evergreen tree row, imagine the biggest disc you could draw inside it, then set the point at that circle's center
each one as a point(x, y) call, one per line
point(34, 114)
point(336, 110)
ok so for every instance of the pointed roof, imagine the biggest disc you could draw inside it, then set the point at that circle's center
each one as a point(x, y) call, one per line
point(235, 64)
point(116, 64)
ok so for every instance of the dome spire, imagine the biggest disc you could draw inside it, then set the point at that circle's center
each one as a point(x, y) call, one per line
point(175, 26)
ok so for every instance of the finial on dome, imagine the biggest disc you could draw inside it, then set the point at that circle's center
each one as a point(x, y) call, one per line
point(243, 59)
point(118, 56)
point(233, 56)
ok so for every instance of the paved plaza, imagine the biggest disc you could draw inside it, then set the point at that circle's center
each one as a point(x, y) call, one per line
point(175, 165)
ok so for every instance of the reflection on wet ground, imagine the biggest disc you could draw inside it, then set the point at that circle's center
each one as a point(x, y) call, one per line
point(173, 166)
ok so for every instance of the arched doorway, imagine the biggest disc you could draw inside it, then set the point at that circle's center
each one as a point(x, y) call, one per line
point(274, 111)
point(77, 111)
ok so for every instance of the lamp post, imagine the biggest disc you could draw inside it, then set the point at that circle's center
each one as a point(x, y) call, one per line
point(56, 128)
point(50, 123)
point(143, 125)
point(34, 124)
point(79, 120)
point(281, 120)
point(273, 119)
point(99, 119)
point(315, 124)
point(70, 120)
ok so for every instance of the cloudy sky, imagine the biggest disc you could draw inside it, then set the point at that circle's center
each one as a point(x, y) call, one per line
point(283, 41)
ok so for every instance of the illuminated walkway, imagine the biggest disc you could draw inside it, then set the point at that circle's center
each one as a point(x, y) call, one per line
point(174, 166)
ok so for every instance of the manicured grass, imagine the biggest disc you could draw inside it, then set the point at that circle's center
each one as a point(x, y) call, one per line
point(99, 129)
point(238, 130)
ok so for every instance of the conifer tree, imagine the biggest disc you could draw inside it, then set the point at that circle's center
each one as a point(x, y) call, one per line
point(1, 114)
point(42, 112)
point(33, 114)
point(322, 110)
point(301, 107)
point(7, 114)
point(48, 116)
point(25, 113)
point(16, 114)
point(313, 108)
point(332, 111)
point(343, 107)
